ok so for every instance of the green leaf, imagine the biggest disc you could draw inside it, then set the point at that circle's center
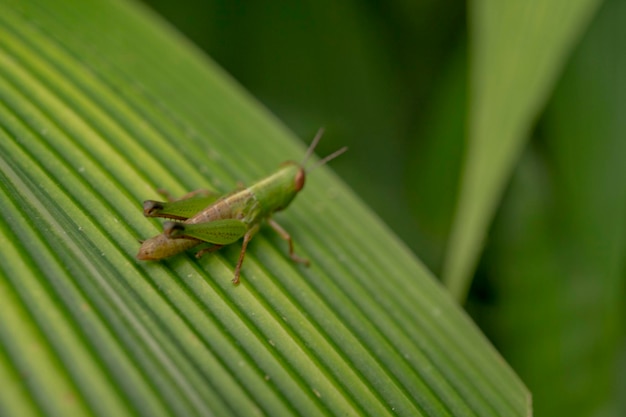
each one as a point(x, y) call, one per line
point(517, 51)
point(100, 105)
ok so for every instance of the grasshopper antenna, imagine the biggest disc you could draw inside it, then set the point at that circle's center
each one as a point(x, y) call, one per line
point(312, 146)
point(327, 158)
point(321, 162)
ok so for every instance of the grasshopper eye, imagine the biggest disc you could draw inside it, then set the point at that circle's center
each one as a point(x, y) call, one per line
point(299, 180)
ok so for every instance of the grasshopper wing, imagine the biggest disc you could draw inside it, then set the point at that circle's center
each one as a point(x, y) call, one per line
point(218, 232)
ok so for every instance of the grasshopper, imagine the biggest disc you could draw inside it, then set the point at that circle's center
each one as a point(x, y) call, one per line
point(202, 217)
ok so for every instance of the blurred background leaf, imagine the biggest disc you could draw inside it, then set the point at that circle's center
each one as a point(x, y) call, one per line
point(101, 103)
point(549, 289)
point(517, 50)
point(565, 211)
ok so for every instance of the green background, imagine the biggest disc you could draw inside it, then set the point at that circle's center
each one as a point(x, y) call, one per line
point(390, 80)
point(486, 147)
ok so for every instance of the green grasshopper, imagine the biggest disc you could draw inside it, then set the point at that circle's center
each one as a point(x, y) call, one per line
point(205, 218)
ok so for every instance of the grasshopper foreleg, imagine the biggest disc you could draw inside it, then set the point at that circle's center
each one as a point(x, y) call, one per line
point(285, 236)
